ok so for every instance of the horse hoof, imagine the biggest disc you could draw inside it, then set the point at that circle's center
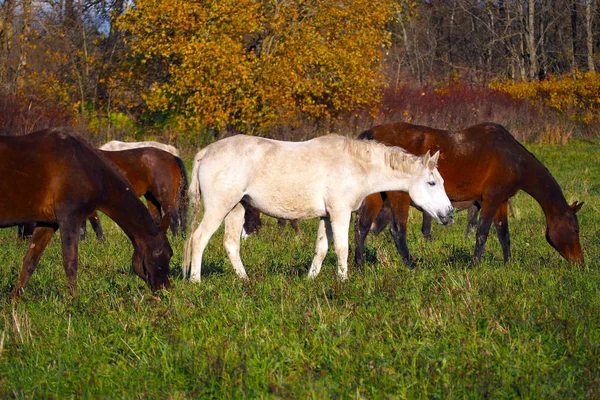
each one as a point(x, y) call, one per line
point(15, 295)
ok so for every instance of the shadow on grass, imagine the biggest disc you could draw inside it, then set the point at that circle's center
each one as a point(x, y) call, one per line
point(208, 268)
point(460, 259)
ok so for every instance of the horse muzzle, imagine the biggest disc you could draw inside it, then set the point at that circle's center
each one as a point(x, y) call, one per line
point(446, 219)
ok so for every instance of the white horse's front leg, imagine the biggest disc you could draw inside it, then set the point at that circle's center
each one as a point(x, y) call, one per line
point(234, 223)
point(323, 238)
point(340, 223)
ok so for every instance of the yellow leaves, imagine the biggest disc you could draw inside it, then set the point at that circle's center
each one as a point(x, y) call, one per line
point(576, 96)
point(248, 64)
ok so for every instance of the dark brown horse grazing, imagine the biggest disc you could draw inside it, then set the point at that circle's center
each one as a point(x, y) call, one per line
point(57, 180)
point(483, 163)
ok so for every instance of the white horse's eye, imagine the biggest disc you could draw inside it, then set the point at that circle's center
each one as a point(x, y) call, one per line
point(431, 183)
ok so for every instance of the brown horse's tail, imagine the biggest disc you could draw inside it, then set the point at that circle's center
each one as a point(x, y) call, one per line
point(367, 135)
point(182, 200)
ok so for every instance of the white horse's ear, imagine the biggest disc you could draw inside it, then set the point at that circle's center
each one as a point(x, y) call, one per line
point(426, 158)
point(434, 160)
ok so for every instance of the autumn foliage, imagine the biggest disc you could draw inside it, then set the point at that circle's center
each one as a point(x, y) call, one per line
point(576, 95)
point(247, 65)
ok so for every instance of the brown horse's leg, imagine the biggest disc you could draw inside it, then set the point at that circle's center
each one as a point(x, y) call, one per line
point(294, 223)
point(400, 202)
point(501, 224)
point(296, 226)
point(154, 207)
point(383, 219)
point(426, 225)
point(281, 223)
point(159, 203)
point(25, 231)
point(69, 236)
point(364, 218)
point(488, 211)
point(96, 226)
point(473, 213)
point(39, 241)
point(82, 230)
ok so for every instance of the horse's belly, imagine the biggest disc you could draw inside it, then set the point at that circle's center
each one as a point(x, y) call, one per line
point(288, 207)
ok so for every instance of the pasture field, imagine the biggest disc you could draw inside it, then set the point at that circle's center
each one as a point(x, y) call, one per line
point(447, 329)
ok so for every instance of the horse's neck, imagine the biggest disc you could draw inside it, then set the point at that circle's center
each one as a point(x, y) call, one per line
point(542, 186)
point(382, 177)
point(127, 210)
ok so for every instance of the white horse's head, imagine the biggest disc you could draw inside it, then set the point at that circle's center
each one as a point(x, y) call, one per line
point(427, 190)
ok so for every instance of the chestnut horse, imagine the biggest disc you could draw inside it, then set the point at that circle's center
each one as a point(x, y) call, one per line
point(483, 163)
point(158, 176)
point(57, 180)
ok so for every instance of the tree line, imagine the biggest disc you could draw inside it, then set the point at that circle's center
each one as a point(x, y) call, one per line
point(249, 65)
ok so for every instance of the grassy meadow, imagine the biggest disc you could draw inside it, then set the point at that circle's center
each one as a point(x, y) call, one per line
point(447, 329)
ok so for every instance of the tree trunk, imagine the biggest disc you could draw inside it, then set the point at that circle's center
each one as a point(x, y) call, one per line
point(573, 35)
point(531, 47)
point(6, 42)
point(589, 12)
point(24, 44)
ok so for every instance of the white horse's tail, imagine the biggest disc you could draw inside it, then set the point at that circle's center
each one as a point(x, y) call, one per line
point(194, 200)
point(194, 188)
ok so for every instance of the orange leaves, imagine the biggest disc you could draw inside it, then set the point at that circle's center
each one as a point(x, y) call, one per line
point(249, 64)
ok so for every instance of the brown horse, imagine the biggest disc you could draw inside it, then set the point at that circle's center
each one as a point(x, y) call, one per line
point(483, 163)
point(160, 177)
point(57, 180)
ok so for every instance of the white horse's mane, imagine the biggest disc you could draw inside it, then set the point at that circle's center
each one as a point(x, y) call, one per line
point(371, 151)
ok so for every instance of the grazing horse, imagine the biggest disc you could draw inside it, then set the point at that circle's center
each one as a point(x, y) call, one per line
point(158, 176)
point(57, 180)
point(483, 163)
point(116, 145)
point(327, 177)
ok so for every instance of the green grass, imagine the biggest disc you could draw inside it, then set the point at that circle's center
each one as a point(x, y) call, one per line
point(446, 329)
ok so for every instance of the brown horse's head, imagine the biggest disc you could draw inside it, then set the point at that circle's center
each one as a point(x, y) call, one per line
point(152, 263)
point(563, 234)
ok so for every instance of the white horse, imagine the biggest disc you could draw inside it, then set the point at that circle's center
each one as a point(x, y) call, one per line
point(116, 145)
point(327, 177)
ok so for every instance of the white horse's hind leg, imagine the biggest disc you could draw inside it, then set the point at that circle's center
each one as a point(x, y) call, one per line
point(199, 240)
point(340, 223)
point(234, 223)
point(323, 237)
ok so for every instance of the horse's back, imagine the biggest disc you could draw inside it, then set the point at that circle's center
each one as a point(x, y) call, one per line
point(291, 175)
point(43, 169)
point(117, 145)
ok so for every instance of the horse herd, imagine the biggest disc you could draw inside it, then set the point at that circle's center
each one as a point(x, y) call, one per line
point(54, 180)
